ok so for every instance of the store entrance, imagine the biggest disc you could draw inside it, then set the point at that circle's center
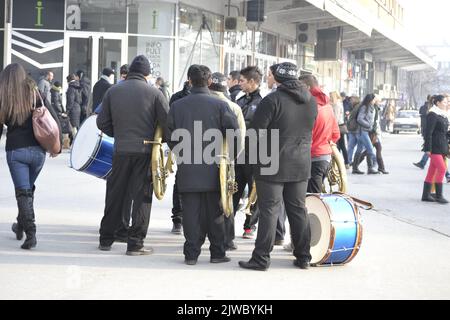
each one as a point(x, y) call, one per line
point(94, 52)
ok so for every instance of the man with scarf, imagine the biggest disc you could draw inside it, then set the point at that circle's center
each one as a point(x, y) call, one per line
point(290, 111)
point(326, 130)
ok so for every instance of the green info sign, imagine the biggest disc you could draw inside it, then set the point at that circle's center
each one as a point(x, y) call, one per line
point(38, 14)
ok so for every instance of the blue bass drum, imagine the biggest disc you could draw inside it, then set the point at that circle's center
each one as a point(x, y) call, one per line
point(92, 150)
point(336, 229)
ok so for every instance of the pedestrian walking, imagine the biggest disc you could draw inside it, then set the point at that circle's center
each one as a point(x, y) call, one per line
point(25, 157)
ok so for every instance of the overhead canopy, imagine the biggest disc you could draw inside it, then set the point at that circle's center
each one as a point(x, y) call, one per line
point(361, 31)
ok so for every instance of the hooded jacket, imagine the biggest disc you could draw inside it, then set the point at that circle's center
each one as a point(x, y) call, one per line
point(326, 128)
point(436, 140)
point(292, 111)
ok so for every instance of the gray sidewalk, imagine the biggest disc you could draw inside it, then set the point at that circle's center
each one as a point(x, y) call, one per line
point(404, 254)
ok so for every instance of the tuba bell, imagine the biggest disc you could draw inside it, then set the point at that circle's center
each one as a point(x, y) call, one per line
point(337, 175)
point(228, 185)
point(160, 170)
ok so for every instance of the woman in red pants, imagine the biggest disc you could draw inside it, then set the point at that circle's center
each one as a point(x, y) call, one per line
point(436, 145)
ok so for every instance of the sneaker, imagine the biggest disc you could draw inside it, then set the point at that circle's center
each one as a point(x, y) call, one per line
point(279, 242)
point(191, 262)
point(220, 260)
point(231, 246)
point(140, 252)
point(248, 234)
point(302, 264)
point(177, 228)
point(104, 247)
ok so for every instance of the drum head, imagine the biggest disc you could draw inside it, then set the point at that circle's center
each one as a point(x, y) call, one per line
point(85, 143)
point(320, 222)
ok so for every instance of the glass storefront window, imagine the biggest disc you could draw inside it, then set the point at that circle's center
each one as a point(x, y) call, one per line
point(200, 42)
point(151, 17)
point(266, 43)
point(158, 50)
point(96, 15)
point(2, 33)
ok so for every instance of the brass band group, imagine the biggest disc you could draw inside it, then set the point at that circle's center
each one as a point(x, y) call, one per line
point(279, 150)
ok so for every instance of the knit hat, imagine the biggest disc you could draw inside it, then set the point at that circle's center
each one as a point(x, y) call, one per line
point(107, 72)
point(140, 64)
point(273, 68)
point(218, 82)
point(286, 71)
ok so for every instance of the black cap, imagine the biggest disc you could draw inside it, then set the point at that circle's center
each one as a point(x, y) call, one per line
point(107, 72)
point(286, 71)
point(140, 64)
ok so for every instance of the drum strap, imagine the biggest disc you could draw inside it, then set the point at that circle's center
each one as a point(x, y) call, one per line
point(361, 203)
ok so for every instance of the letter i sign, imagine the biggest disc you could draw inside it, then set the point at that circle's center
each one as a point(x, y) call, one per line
point(39, 9)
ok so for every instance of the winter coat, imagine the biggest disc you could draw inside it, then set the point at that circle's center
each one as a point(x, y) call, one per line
point(131, 110)
point(73, 105)
point(436, 133)
point(181, 94)
point(248, 104)
point(366, 118)
point(44, 87)
point(85, 85)
point(57, 100)
point(213, 113)
point(234, 91)
point(326, 128)
point(99, 90)
point(292, 110)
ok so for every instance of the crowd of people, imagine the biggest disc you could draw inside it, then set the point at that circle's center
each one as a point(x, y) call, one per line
point(307, 120)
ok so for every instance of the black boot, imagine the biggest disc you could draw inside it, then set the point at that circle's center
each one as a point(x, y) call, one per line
point(26, 216)
point(356, 162)
point(439, 197)
point(426, 194)
point(371, 164)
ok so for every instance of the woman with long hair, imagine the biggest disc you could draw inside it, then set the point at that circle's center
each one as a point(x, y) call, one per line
point(436, 146)
point(25, 157)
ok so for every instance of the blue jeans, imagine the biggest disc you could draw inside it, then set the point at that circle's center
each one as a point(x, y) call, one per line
point(25, 164)
point(353, 138)
point(364, 142)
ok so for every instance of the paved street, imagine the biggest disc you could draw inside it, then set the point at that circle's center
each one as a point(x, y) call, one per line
point(405, 251)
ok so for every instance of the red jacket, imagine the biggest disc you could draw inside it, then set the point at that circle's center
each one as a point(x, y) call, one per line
point(326, 128)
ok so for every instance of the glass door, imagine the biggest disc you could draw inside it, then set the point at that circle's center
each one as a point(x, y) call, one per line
point(92, 52)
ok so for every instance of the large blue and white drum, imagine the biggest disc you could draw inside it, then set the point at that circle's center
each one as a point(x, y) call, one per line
point(336, 229)
point(92, 150)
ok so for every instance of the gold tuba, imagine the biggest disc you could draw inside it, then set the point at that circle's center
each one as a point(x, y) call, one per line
point(252, 197)
point(160, 171)
point(228, 185)
point(337, 175)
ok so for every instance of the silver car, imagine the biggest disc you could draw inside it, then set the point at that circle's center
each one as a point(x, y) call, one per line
point(407, 121)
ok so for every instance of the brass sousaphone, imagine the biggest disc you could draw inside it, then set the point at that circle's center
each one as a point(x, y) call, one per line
point(160, 170)
point(228, 185)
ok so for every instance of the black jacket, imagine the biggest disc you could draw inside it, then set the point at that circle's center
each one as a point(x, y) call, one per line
point(56, 100)
point(73, 105)
point(248, 104)
point(292, 110)
point(130, 113)
point(98, 92)
point(436, 134)
point(234, 91)
point(213, 113)
point(85, 85)
point(181, 94)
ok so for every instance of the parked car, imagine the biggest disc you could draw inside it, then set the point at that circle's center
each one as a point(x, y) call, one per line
point(407, 121)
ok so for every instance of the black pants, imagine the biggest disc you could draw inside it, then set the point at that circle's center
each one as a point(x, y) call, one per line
point(128, 188)
point(271, 196)
point(380, 160)
point(319, 170)
point(342, 146)
point(177, 208)
point(202, 216)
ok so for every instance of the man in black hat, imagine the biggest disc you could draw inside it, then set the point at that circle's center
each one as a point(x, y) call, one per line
point(197, 179)
point(101, 86)
point(131, 110)
point(291, 110)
